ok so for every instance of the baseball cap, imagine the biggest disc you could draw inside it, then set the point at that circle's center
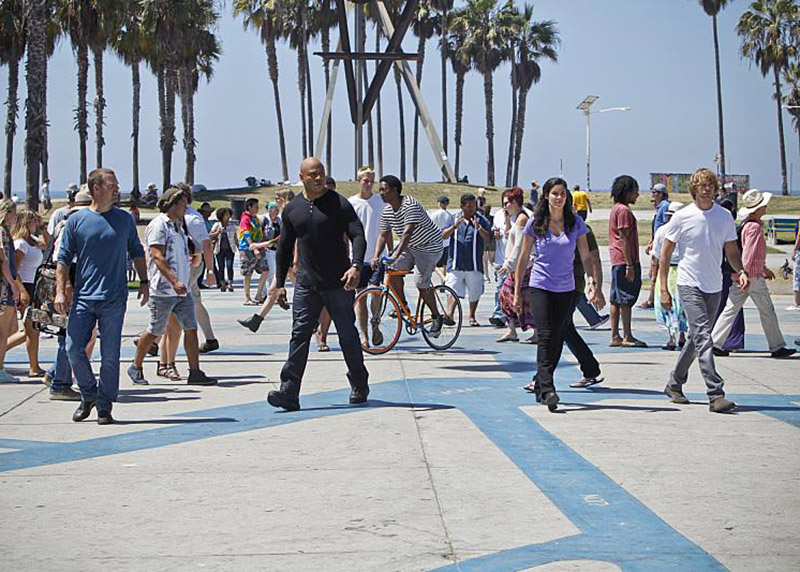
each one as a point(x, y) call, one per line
point(444, 199)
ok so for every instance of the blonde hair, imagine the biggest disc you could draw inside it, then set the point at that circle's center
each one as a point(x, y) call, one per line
point(6, 205)
point(699, 177)
point(365, 170)
point(20, 228)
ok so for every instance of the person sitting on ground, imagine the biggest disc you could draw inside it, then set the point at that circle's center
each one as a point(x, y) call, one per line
point(469, 233)
point(168, 271)
point(419, 247)
point(754, 260)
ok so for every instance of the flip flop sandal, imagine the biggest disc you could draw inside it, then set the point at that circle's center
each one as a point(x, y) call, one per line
point(323, 347)
point(474, 323)
point(669, 347)
point(250, 303)
point(505, 339)
point(636, 344)
point(531, 387)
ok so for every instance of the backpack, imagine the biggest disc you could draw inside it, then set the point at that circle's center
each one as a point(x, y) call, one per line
point(42, 312)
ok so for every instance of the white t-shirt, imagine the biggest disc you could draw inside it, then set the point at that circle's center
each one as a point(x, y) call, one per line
point(33, 258)
point(702, 235)
point(196, 225)
point(369, 213)
point(443, 219)
point(163, 232)
point(658, 244)
point(499, 223)
point(55, 218)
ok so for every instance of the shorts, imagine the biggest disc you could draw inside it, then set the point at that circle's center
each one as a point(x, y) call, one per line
point(466, 282)
point(623, 292)
point(194, 285)
point(443, 260)
point(423, 264)
point(29, 289)
point(162, 306)
point(250, 262)
point(370, 277)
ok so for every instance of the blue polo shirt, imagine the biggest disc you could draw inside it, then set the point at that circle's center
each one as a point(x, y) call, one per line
point(465, 251)
point(100, 244)
point(661, 215)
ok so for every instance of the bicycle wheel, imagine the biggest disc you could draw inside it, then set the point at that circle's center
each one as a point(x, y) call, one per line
point(445, 298)
point(383, 326)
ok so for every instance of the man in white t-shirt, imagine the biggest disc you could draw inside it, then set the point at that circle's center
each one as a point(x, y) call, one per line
point(702, 230)
point(169, 272)
point(368, 207)
point(443, 219)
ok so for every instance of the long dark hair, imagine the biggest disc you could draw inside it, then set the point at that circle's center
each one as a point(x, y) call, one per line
point(541, 215)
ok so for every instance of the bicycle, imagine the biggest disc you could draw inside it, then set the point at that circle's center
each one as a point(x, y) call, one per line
point(386, 323)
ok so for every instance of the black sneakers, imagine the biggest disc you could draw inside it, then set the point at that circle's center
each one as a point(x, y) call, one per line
point(358, 396)
point(198, 377)
point(209, 346)
point(784, 352)
point(104, 418)
point(83, 410)
point(436, 326)
point(252, 323)
point(283, 401)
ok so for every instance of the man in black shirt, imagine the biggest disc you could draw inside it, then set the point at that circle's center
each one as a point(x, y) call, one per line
point(316, 220)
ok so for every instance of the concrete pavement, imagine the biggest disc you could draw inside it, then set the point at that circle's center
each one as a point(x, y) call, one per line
point(451, 465)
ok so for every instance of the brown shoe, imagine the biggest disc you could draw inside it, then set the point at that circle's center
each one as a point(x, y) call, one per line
point(67, 394)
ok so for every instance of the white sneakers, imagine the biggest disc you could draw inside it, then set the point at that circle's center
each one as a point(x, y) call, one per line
point(6, 377)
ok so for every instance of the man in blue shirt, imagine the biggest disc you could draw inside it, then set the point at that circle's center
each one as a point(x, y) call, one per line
point(465, 259)
point(98, 239)
point(659, 197)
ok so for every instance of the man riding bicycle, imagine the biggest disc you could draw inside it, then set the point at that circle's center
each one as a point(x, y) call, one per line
point(419, 247)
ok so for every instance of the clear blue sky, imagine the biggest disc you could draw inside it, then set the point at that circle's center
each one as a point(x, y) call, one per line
point(654, 56)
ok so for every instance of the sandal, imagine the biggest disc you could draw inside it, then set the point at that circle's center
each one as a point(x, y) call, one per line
point(37, 374)
point(634, 344)
point(502, 339)
point(473, 323)
point(250, 303)
point(533, 340)
point(530, 387)
point(323, 347)
point(669, 347)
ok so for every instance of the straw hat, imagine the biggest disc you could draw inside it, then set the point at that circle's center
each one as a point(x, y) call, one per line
point(753, 200)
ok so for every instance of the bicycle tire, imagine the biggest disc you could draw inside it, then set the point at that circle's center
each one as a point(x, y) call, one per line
point(449, 333)
point(388, 326)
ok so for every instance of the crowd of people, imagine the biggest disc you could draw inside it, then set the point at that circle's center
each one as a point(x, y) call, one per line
point(544, 262)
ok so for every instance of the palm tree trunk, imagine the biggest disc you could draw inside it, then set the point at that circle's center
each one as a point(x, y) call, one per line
point(136, 107)
point(11, 123)
point(378, 114)
point(513, 129)
point(444, 79)
point(45, 154)
point(719, 101)
point(172, 90)
point(161, 76)
point(487, 100)
point(370, 134)
point(415, 148)
point(35, 77)
point(272, 65)
point(99, 104)
point(778, 101)
point(522, 100)
point(81, 114)
point(326, 47)
point(184, 92)
point(459, 115)
point(402, 124)
point(301, 87)
point(309, 102)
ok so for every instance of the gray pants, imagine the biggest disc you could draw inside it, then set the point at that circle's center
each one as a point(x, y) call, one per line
point(701, 309)
point(759, 292)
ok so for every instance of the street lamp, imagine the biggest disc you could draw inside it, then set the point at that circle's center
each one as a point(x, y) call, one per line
point(586, 107)
point(790, 106)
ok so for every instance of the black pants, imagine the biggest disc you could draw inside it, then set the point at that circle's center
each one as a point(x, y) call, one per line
point(589, 366)
point(224, 259)
point(307, 305)
point(552, 312)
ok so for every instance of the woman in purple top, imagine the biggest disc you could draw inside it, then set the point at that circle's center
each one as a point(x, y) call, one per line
point(555, 231)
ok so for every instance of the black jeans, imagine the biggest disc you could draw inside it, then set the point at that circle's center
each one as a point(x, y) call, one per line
point(224, 260)
point(306, 307)
point(552, 311)
point(589, 366)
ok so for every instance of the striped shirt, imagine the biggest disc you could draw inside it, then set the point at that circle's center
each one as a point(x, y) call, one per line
point(426, 236)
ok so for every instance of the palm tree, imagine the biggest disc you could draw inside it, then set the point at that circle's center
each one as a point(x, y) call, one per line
point(712, 8)
point(36, 16)
point(443, 7)
point(792, 99)
point(424, 26)
point(460, 65)
point(261, 15)
point(108, 20)
point(538, 41)
point(769, 29)
point(293, 15)
point(52, 33)
point(486, 44)
point(13, 36)
point(80, 20)
point(131, 45)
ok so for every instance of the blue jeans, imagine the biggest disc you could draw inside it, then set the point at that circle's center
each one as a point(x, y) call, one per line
point(587, 310)
point(108, 316)
point(61, 372)
point(498, 311)
point(306, 307)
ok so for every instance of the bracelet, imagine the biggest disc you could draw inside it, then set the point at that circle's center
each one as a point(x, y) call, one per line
point(145, 281)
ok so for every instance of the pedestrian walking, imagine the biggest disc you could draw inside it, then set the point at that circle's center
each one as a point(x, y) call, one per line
point(702, 230)
point(659, 198)
point(754, 260)
point(674, 320)
point(626, 272)
point(556, 233)
point(326, 276)
point(224, 235)
point(98, 239)
point(10, 291)
point(443, 219)
point(796, 285)
point(582, 202)
point(252, 258)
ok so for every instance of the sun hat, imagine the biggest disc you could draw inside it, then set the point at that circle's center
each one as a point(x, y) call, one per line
point(444, 199)
point(151, 186)
point(206, 207)
point(83, 197)
point(674, 207)
point(659, 188)
point(169, 198)
point(752, 200)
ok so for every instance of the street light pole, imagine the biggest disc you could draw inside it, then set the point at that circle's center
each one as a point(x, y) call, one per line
point(586, 107)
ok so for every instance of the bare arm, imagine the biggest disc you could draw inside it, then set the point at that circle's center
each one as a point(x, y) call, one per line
point(158, 255)
point(663, 273)
point(63, 289)
point(519, 273)
point(405, 238)
point(593, 293)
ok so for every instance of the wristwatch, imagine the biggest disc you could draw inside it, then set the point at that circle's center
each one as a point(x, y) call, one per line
point(356, 266)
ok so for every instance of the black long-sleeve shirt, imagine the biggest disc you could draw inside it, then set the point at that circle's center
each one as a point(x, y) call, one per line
point(317, 227)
